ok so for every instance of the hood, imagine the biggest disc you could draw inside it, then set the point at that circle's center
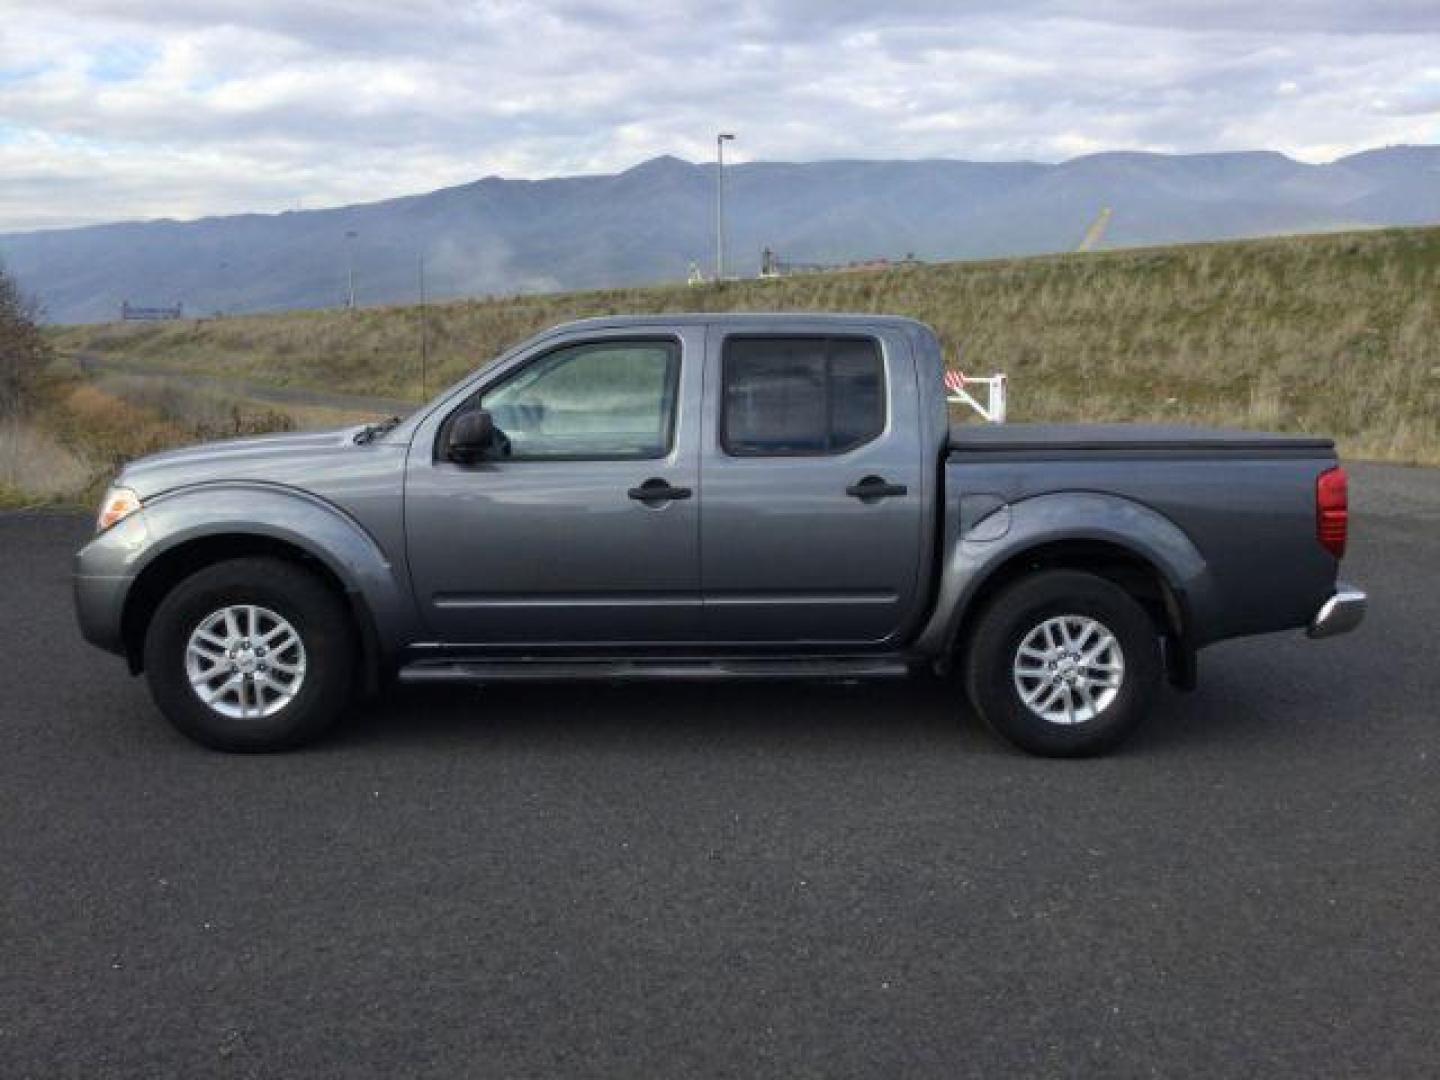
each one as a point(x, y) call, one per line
point(264, 458)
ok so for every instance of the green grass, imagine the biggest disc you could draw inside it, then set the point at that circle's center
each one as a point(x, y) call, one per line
point(1336, 334)
point(13, 498)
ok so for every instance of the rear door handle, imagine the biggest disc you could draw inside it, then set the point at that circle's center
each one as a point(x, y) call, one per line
point(875, 487)
point(657, 490)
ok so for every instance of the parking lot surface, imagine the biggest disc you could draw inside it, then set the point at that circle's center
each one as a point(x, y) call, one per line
point(733, 881)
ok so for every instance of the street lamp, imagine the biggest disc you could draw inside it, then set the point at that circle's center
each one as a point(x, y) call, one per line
point(350, 235)
point(720, 141)
point(424, 336)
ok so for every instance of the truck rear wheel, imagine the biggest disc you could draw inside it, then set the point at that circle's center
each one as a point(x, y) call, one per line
point(1063, 664)
point(250, 655)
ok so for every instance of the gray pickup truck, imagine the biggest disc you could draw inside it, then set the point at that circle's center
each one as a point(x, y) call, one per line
point(710, 497)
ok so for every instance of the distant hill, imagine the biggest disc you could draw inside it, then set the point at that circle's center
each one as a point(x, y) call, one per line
point(644, 225)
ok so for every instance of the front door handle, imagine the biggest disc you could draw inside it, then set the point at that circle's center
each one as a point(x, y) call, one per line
point(656, 490)
point(875, 487)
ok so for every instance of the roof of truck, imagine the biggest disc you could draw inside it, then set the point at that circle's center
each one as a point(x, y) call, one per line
point(778, 320)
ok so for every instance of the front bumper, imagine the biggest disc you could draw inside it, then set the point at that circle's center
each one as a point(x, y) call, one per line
point(104, 571)
point(99, 605)
point(1343, 612)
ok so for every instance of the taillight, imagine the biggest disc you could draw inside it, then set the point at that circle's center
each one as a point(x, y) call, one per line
point(1332, 510)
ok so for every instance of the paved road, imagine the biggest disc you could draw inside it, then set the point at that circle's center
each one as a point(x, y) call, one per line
point(674, 881)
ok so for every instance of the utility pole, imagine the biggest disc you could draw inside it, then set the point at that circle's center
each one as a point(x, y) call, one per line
point(350, 235)
point(720, 141)
point(424, 346)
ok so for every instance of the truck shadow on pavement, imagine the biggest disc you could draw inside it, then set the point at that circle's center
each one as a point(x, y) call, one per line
point(1238, 704)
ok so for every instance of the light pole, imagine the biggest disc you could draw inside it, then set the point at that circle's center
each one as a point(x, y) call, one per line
point(424, 344)
point(720, 141)
point(350, 235)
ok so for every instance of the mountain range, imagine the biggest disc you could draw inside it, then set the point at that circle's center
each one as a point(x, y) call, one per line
point(649, 223)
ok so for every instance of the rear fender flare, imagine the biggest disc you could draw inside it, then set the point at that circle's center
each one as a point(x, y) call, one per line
point(1012, 529)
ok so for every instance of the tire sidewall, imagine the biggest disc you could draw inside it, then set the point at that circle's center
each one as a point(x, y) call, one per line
point(1015, 614)
point(317, 617)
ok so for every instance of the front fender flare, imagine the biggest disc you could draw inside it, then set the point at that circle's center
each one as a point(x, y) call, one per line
point(375, 582)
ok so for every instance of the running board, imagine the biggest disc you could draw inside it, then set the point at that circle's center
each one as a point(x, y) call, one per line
point(430, 671)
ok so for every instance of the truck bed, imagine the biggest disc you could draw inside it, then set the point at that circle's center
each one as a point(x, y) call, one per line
point(1128, 440)
point(1244, 499)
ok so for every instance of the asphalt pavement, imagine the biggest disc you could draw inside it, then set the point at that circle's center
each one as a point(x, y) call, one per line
point(746, 881)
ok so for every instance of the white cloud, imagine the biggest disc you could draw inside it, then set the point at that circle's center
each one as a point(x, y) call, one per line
point(116, 109)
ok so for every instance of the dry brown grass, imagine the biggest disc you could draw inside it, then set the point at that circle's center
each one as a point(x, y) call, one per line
point(1337, 334)
point(90, 429)
point(35, 467)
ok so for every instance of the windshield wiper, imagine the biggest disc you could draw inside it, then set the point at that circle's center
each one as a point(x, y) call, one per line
point(373, 431)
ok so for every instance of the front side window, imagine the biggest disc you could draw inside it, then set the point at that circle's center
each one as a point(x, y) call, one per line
point(801, 395)
point(609, 399)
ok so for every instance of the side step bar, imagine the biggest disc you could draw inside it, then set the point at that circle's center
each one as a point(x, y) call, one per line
point(433, 671)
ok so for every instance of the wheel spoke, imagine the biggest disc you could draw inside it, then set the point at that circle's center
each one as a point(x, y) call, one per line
point(1032, 696)
point(205, 637)
point(1106, 643)
point(214, 666)
point(1048, 702)
point(215, 693)
point(279, 631)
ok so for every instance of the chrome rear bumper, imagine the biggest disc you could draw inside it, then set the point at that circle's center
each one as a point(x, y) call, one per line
point(1340, 614)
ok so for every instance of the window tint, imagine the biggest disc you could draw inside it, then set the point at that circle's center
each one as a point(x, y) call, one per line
point(801, 395)
point(612, 399)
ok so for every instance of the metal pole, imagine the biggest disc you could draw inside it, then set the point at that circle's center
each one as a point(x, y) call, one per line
point(423, 336)
point(350, 235)
point(720, 140)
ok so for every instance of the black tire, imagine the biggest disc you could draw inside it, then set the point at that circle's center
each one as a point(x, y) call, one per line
point(1010, 618)
point(317, 615)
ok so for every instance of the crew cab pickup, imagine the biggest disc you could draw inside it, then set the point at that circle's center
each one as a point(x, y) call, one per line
point(710, 497)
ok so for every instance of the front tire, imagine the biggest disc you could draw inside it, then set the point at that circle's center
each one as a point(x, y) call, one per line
point(251, 655)
point(1063, 664)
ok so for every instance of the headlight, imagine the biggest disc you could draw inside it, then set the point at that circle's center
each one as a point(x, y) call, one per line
point(118, 504)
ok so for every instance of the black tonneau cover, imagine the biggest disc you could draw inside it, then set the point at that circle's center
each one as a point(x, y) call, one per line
point(974, 438)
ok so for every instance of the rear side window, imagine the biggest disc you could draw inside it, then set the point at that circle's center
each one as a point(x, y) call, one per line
point(800, 395)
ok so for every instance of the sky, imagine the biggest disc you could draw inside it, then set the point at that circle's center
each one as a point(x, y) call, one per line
point(124, 109)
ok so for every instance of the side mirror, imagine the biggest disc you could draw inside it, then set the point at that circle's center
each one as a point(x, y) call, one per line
point(471, 437)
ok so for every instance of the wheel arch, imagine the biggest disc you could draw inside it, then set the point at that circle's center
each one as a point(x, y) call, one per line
point(1115, 538)
point(180, 561)
point(198, 527)
point(1132, 571)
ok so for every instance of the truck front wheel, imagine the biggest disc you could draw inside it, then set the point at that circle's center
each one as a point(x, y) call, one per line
point(250, 654)
point(1063, 663)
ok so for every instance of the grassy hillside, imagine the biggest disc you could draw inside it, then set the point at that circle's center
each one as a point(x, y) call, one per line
point(1337, 334)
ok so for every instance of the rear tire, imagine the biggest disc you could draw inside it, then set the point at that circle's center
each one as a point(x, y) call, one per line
point(268, 643)
point(1063, 664)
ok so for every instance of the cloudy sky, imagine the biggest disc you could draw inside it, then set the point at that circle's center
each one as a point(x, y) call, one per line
point(113, 109)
